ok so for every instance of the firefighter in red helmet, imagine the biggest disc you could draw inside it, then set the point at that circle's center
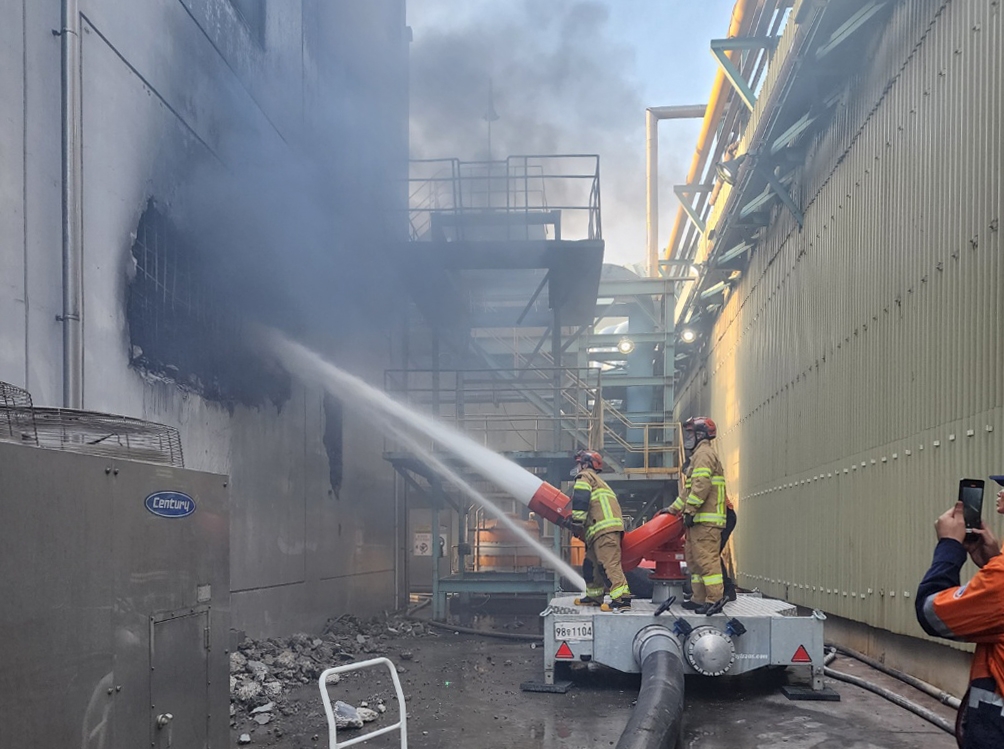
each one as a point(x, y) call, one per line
point(596, 515)
point(704, 514)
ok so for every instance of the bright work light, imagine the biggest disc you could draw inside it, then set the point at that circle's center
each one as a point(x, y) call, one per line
point(625, 345)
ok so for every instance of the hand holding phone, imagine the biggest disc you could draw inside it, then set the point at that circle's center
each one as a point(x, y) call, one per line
point(971, 497)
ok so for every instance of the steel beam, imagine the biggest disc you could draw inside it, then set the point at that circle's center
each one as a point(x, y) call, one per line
point(782, 192)
point(733, 253)
point(685, 193)
point(529, 305)
point(741, 44)
point(641, 287)
point(851, 25)
point(609, 340)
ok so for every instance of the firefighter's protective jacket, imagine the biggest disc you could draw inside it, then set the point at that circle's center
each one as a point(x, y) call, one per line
point(595, 505)
point(972, 613)
point(706, 481)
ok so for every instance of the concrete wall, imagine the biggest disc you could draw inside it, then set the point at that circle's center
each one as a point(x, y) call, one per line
point(164, 84)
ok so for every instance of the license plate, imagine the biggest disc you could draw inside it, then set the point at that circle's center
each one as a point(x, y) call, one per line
point(574, 630)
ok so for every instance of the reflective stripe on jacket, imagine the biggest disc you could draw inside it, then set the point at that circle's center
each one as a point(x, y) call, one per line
point(595, 506)
point(705, 486)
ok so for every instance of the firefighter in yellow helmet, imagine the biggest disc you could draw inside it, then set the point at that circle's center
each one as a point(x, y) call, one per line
point(597, 515)
point(704, 514)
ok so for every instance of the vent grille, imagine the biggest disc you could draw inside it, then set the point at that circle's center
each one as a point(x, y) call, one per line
point(17, 421)
point(108, 436)
point(87, 432)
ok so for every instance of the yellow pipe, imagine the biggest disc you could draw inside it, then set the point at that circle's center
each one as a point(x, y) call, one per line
point(716, 106)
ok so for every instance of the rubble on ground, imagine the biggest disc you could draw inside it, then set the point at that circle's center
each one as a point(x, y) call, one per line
point(262, 672)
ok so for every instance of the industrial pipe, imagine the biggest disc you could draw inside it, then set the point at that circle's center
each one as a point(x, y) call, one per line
point(715, 108)
point(73, 346)
point(652, 117)
point(658, 714)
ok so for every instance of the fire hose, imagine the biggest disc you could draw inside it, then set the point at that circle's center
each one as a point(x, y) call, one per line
point(657, 717)
point(896, 699)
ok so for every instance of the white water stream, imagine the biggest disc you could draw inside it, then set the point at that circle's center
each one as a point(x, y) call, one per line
point(509, 476)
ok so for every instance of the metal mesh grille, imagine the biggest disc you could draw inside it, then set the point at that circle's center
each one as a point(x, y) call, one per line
point(108, 436)
point(17, 422)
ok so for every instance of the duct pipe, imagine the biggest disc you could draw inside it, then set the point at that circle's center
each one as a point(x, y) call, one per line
point(652, 117)
point(657, 716)
point(716, 106)
point(73, 345)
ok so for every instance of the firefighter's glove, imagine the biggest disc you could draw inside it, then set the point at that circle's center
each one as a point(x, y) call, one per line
point(688, 520)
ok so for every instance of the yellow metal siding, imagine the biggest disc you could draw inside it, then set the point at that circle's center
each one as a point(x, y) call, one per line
point(857, 371)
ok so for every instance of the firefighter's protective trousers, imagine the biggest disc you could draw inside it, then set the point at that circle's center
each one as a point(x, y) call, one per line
point(706, 502)
point(703, 553)
point(595, 506)
point(605, 554)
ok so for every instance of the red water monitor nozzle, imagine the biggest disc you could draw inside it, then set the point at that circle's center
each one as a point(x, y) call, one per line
point(551, 504)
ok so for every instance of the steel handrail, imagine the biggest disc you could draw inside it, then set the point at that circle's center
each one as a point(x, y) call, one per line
point(401, 725)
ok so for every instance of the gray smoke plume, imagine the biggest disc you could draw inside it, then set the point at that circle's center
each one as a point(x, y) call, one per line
point(562, 84)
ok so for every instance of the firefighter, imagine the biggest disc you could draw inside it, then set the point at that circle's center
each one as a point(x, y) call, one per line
point(704, 514)
point(974, 613)
point(728, 583)
point(596, 517)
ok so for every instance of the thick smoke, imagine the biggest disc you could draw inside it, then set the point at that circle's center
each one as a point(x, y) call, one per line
point(562, 84)
point(300, 212)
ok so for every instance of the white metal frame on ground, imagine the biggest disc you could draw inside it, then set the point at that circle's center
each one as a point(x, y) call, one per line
point(402, 724)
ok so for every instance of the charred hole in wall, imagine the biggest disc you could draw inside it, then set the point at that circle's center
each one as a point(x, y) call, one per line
point(252, 13)
point(333, 442)
point(181, 329)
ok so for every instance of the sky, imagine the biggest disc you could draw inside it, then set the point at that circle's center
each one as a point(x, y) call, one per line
point(569, 76)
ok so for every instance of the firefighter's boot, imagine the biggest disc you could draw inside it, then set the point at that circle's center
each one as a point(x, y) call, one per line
point(589, 601)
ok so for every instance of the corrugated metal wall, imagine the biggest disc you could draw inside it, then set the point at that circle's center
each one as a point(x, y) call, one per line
point(857, 372)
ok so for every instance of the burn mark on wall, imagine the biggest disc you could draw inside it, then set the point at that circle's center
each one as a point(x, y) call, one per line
point(333, 441)
point(180, 328)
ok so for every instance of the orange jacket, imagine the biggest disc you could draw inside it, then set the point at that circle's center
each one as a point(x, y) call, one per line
point(972, 613)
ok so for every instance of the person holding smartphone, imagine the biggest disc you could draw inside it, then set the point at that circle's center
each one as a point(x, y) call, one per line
point(972, 613)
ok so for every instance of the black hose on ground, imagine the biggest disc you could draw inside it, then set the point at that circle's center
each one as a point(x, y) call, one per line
point(658, 715)
point(941, 696)
point(896, 699)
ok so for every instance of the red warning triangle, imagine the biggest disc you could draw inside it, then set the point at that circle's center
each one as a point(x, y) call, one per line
point(801, 655)
point(564, 652)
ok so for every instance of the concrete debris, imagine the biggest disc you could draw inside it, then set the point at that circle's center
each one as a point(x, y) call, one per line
point(347, 716)
point(267, 670)
point(244, 739)
point(258, 670)
point(246, 691)
point(272, 689)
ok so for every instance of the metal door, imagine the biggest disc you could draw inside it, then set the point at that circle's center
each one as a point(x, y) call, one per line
point(179, 674)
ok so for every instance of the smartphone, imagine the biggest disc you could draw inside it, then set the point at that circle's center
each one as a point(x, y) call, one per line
point(971, 497)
